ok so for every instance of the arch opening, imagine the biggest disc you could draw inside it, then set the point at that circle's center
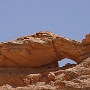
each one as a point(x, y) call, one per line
point(66, 62)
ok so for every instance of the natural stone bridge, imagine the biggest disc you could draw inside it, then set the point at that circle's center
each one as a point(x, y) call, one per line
point(42, 48)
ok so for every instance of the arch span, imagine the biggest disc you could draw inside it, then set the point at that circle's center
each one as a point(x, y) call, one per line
point(42, 48)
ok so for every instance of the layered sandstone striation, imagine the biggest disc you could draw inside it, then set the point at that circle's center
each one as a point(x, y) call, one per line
point(30, 63)
point(42, 48)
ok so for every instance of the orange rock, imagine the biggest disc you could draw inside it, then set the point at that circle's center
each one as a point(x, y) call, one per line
point(30, 63)
point(42, 48)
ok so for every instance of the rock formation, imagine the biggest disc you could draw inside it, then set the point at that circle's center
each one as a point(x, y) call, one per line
point(30, 63)
point(42, 48)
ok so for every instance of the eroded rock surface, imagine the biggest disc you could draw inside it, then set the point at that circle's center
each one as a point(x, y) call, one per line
point(30, 63)
point(42, 78)
point(42, 48)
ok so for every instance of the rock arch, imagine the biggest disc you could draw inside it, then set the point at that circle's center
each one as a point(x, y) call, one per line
point(42, 48)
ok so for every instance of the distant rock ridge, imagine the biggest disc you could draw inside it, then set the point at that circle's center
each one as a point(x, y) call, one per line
point(42, 48)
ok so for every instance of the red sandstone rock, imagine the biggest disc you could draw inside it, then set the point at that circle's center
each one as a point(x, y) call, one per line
point(41, 78)
point(42, 48)
point(36, 59)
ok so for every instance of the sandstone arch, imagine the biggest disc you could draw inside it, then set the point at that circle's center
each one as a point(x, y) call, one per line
point(42, 48)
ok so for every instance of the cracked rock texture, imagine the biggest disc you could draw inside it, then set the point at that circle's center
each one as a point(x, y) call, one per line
point(30, 63)
point(72, 77)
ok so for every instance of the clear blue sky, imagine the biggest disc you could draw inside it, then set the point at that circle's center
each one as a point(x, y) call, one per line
point(69, 18)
